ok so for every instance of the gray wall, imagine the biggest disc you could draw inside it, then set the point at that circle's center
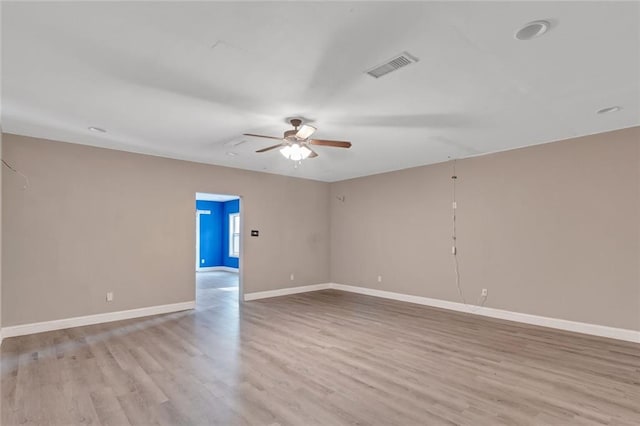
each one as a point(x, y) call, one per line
point(550, 230)
point(95, 220)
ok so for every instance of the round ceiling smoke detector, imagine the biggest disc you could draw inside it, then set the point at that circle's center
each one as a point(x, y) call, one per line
point(533, 29)
point(609, 109)
point(97, 129)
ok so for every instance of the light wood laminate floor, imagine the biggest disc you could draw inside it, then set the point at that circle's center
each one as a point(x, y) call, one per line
point(318, 358)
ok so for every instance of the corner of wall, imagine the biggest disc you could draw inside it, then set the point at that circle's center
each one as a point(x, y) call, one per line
point(1, 171)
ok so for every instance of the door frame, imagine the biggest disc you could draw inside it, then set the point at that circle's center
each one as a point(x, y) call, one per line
point(242, 241)
point(198, 260)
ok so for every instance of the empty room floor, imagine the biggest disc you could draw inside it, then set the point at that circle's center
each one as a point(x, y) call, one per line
point(318, 358)
point(216, 288)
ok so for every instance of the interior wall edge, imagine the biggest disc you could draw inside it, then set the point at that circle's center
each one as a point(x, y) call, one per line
point(285, 291)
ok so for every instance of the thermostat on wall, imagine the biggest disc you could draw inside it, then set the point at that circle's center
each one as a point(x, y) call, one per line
point(255, 233)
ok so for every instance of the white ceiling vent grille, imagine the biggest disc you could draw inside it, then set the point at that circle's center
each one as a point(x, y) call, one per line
point(395, 63)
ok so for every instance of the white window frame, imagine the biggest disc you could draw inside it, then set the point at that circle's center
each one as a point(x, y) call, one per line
point(232, 217)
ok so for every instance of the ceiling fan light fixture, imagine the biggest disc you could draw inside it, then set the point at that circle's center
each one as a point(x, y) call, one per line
point(296, 145)
point(295, 152)
point(286, 151)
point(305, 151)
point(305, 131)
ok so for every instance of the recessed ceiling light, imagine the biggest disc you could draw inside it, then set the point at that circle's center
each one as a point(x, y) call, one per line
point(533, 29)
point(97, 129)
point(609, 109)
point(232, 154)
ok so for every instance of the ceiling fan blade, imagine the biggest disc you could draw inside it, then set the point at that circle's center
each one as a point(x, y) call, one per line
point(305, 131)
point(313, 153)
point(337, 144)
point(262, 136)
point(269, 148)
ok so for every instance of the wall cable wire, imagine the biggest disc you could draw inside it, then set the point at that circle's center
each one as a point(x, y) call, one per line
point(26, 179)
point(454, 206)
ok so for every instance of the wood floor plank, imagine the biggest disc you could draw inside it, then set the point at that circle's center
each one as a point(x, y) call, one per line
point(327, 357)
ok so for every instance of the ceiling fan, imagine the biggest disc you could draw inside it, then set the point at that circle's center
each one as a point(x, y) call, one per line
point(295, 143)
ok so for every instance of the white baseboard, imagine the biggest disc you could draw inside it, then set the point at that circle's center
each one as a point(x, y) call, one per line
point(285, 291)
point(217, 268)
point(561, 324)
point(39, 327)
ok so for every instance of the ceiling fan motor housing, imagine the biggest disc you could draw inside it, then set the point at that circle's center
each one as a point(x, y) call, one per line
point(290, 134)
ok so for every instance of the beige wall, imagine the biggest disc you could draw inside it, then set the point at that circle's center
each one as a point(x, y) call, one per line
point(551, 230)
point(95, 220)
point(1, 172)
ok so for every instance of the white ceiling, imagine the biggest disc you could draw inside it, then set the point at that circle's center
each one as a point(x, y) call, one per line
point(185, 80)
point(203, 196)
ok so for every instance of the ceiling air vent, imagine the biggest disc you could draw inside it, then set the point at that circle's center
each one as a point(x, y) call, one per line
point(397, 62)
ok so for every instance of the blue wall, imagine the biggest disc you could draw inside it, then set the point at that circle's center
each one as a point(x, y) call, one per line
point(210, 233)
point(229, 207)
point(214, 233)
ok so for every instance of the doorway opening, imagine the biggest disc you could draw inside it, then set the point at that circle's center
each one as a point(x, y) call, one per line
point(218, 250)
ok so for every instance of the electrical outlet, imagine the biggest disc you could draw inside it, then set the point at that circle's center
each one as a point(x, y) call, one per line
point(109, 296)
point(379, 278)
point(291, 277)
point(485, 292)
